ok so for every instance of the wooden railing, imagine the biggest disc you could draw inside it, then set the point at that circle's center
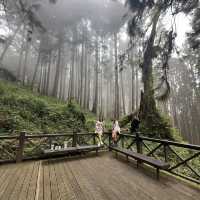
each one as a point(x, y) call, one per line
point(184, 158)
point(25, 146)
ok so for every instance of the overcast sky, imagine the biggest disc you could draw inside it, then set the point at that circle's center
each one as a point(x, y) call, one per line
point(182, 25)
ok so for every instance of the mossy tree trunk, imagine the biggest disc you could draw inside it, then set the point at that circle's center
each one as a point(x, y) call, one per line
point(148, 104)
point(153, 124)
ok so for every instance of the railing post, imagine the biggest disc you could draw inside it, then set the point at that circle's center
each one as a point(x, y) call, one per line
point(138, 143)
point(20, 149)
point(109, 140)
point(165, 151)
point(94, 140)
point(74, 142)
point(50, 142)
point(122, 141)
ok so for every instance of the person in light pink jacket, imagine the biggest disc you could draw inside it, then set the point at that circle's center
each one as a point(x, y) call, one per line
point(115, 131)
point(99, 131)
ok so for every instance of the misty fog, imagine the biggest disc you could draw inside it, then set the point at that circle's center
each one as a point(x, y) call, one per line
point(82, 50)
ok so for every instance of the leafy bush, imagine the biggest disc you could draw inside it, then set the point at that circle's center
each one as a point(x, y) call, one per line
point(2, 91)
point(75, 110)
point(90, 125)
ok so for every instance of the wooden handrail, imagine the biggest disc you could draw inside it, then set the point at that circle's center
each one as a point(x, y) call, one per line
point(9, 137)
point(166, 144)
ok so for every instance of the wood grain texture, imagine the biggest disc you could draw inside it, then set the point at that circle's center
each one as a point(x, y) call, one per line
point(100, 177)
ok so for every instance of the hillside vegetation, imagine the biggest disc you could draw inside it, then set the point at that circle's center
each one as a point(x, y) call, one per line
point(21, 109)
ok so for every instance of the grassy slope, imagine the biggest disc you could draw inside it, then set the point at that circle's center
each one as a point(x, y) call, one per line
point(21, 109)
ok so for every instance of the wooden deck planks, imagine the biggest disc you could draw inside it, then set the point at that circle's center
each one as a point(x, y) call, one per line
point(19, 182)
point(127, 179)
point(65, 188)
point(110, 185)
point(46, 181)
point(5, 171)
point(87, 178)
point(53, 182)
point(33, 183)
point(2, 170)
point(74, 183)
point(8, 183)
point(85, 181)
point(40, 183)
point(106, 184)
point(25, 187)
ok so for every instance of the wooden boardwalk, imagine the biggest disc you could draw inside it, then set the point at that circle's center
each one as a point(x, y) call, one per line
point(87, 178)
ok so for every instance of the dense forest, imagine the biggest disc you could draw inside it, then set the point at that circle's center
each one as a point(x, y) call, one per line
point(112, 58)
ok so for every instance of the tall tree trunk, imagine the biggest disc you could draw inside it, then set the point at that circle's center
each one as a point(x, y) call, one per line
point(81, 76)
point(137, 90)
point(101, 113)
point(57, 75)
point(40, 78)
point(76, 75)
point(36, 69)
point(107, 98)
point(44, 78)
point(61, 83)
point(27, 49)
point(61, 78)
point(96, 92)
point(123, 95)
point(86, 78)
point(21, 56)
point(133, 86)
point(48, 73)
point(117, 111)
point(88, 94)
point(148, 104)
point(64, 88)
point(71, 93)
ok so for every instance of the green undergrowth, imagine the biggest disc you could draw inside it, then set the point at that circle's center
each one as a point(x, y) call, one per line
point(21, 109)
point(160, 126)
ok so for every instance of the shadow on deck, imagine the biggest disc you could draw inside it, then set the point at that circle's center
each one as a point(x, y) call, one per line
point(102, 177)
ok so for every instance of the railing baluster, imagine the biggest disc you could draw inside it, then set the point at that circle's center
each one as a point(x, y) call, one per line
point(20, 150)
point(139, 143)
point(122, 141)
point(50, 142)
point(165, 151)
point(109, 140)
point(74, 141)
point(94, 139)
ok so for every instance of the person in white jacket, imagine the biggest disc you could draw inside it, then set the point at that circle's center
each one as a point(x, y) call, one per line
point(99, 131)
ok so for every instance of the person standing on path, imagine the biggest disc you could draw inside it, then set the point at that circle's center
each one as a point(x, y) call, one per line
point(115, 131)
point(99, 131)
